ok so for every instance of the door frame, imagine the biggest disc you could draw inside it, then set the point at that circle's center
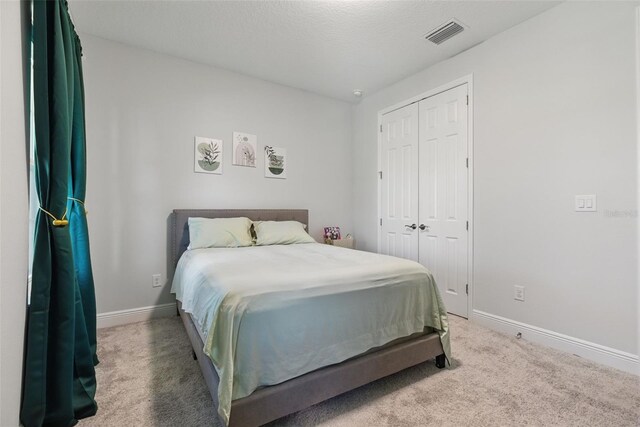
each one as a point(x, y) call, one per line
point(468, 79)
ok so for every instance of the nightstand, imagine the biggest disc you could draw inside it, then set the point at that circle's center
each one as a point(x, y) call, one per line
point(347, 242)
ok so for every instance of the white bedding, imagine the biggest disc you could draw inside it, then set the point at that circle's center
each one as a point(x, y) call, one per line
point(268, 314)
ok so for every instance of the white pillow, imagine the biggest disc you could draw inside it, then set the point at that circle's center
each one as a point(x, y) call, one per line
point(219, 232)
point(281, 233)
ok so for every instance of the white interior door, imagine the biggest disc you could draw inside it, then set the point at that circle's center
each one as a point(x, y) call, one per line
point(443, 226)
point(399, 186)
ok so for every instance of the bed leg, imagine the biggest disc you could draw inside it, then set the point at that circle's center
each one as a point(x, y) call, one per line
point(440, 361)
point(193, 354)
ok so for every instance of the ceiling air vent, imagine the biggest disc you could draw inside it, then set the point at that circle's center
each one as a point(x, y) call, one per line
point(444, 32)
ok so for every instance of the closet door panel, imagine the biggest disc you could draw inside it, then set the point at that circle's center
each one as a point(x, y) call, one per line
point(399, 186)
point(443, 182)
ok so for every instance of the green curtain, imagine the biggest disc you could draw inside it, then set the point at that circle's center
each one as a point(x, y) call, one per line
point(59, 376)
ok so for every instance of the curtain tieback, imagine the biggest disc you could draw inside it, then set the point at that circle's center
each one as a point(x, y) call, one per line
point(56, 222)
point(81, 202)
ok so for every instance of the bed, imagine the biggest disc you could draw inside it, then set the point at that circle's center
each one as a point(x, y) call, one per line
point(252, 397)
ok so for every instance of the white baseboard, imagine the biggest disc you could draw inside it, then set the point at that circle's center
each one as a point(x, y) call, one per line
point(140, 314)
point(598, 353)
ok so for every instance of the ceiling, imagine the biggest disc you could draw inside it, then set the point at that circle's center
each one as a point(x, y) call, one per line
point(326, 47)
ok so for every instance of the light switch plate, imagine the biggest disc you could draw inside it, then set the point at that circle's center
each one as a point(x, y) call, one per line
point(586, 203)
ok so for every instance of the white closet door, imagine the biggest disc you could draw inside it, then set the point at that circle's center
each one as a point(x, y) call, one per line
point(443, 194)
point(399, 187)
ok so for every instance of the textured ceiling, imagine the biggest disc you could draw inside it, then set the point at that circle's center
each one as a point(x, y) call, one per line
point(326, 47)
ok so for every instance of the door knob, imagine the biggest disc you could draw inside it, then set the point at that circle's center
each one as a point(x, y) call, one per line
point(412, 226)
point(424, 227)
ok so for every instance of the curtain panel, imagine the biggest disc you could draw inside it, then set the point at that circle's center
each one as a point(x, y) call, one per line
point(59, 376)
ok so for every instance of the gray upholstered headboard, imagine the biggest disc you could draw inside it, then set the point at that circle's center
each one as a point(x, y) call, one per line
point(179, 229)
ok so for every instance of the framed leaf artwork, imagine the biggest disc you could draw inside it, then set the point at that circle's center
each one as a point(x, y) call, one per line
point(208, 155)
point(275, 162)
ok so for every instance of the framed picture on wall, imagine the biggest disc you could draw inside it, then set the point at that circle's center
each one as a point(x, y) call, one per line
point(207, 155)
point(275, 162)
point(245, 148)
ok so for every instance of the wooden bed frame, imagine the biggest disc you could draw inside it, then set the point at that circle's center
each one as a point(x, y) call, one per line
point(270, 403)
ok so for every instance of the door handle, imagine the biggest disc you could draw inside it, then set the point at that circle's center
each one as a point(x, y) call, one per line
point(412, 226)
point(424, 227)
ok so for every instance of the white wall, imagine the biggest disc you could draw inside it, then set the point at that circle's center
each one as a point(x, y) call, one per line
point(13, 210)
point(143, 110)
point(555, 116)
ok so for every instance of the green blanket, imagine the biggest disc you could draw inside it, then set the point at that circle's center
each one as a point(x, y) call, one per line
point(269, 314)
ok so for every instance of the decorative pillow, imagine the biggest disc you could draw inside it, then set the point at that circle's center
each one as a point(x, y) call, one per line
point(281, 233)
point(219, 232)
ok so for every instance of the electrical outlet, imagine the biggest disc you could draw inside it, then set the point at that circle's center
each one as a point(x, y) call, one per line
point(518, 293)
point(156, 280)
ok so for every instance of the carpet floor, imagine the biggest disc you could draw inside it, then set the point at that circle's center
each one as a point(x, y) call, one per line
point(147, 377)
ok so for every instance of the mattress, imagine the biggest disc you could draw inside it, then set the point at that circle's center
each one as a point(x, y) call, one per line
point(271, 313)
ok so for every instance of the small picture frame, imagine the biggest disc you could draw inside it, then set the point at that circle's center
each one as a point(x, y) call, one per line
point(275, 162)
point(245, 146)
point(207, 155)
point(332, 233)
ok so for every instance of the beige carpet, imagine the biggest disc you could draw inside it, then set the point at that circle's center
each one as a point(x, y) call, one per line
point(147, 378)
